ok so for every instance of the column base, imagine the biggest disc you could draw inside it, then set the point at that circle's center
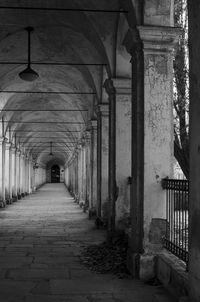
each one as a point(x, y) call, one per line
point(141, 266)
point(9, 201)
point(76, 198)
point(92, 213)
point(86, 206)
point(19, 196)
point(2, 204)
point(14, 198)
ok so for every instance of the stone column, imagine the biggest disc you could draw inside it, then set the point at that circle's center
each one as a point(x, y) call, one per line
point(26, 175)
point(3, 171)
point(80, 178)
point(17, 153)
point(18, 171)
point(23, 174)
point(194, 199)
point(110, 89)
point(152, 139)
point(7, 172)
point(11, 171)
point(76, 173)
point(88, 176)
point(83, 171)
point(99, 168)
point(13, 150)
point(104, 116)
point(30, 175)
point(2, 194)
point(123, 151)
point(93, 164)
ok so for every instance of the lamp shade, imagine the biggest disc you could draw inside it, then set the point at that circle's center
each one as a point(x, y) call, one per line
point(28, 74)
point(51, 154)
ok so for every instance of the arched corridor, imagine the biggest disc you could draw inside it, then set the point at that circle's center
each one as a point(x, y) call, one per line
point(86, 119)
point(40, 241)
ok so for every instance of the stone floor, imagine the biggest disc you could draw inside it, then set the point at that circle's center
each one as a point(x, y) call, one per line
point(40, 241)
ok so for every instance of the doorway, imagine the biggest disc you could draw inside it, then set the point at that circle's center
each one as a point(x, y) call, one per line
point(55, 174)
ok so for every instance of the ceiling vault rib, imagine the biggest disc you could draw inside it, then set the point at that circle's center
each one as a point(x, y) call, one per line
point(52, 63)
point(41, 131)
point(42, 122)
point(42, 137)
point(49, 92)
point(46, 110)
point(29, 143)
point(57, 9)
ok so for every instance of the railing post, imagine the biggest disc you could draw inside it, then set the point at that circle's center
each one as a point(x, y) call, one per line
point(176, 238)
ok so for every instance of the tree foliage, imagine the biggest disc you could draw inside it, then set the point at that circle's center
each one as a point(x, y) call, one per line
point(181, 89)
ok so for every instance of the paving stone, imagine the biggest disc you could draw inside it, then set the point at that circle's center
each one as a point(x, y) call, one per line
point(55, 298)
point(15, 287)
point(40, 241)
point(9, 298)
point(31, 274)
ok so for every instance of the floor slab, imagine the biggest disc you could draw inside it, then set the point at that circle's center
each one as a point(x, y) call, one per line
point(41, 237)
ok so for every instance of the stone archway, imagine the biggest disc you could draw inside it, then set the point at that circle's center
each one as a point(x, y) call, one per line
point(55, 174)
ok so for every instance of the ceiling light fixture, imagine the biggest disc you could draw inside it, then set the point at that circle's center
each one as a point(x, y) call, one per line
point(29, 74)
point(51, 149)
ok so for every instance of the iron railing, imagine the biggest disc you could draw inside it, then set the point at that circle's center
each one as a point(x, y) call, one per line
point(177, 208)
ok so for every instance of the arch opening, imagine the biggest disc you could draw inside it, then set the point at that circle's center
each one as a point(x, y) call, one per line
point(55, 174)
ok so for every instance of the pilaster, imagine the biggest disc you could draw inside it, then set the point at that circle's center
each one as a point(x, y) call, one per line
point(112, 188)
point(104, 116)
point(93, 164)
point(123, 154)
point(11, 171)
point(2, 192)
point(7, 171)
point(151, 49)
point(18, 173)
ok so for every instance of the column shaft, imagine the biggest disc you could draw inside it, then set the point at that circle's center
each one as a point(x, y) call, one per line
point(1, 173)
point(112, 154)
point(152, 140)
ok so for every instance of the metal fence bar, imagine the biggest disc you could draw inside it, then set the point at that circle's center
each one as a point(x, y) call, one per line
point(177, 202)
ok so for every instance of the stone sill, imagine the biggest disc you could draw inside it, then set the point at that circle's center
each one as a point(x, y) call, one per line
point(172, 273)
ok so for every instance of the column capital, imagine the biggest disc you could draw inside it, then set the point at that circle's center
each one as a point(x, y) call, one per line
point(152, 39)
point(109, 87)
point(122, 86)
point(159, 39)
point(103, 109)
point(119, 86)
point(93, 124)
point(5, 140)
point(13, 148)
point(8, 145)
point(132, 41)
point(87, 136)
point(18, 152)
point(26, 156)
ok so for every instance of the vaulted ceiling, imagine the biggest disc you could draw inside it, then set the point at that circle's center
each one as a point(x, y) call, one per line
point(70, 50)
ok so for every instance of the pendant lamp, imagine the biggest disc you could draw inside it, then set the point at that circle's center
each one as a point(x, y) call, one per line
point(51, 149)
point(29, 74)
